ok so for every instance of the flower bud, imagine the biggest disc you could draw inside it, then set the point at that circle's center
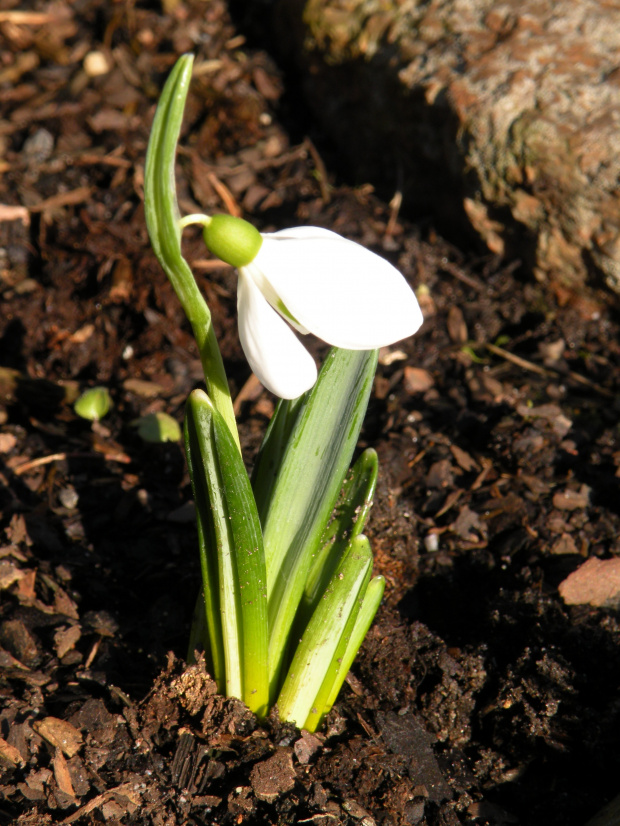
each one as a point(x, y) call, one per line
point(232, 240)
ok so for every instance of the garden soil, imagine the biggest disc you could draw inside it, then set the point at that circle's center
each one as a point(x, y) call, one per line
point(486, 691)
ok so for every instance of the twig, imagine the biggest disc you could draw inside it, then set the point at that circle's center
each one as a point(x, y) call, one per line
point(76, 196)
point(321, 171)
point(59, 457)
point(448, 267)
point(27, 18)
point(395, 205)
point(225, 194)
point(520, 362)
point(14, 213)
point(209, 264)
point(547, 372)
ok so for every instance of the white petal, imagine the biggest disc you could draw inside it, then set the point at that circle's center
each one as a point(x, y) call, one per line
point(275, 354)
point(337, 289)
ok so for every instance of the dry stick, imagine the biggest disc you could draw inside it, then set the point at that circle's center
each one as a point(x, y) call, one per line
point(520, 362)
point(547, 372)
point(27, 18)
point(59, 457)
point(453, 270)
point(394, 205)
point(298, 153)
point(320, 170)
point(76, 196)
point(209, 264)
point(225, 194)
point(126, 791)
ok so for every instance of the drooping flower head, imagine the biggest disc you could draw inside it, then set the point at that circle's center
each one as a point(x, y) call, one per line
point(317, 282)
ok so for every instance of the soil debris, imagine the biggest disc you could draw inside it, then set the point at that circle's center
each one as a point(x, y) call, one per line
point(479, 687)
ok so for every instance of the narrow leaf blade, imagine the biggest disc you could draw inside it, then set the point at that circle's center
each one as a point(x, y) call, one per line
point(348, 521)
point(344, 661)
point(271, 453)
point(236, 581)
point(325, 634)
point(213, 639)
point(310, 477)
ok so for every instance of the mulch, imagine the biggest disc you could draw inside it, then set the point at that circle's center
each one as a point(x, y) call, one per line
point(486, 690)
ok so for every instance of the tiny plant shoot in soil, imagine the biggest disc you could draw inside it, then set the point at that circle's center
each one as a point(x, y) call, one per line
point(287, 594)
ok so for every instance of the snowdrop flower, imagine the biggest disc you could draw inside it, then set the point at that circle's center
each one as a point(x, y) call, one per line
point(314, 281)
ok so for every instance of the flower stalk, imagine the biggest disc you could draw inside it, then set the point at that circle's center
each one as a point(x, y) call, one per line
point(288, 593)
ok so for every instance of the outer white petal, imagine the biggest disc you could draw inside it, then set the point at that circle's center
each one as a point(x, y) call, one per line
point(275, 354)
point(336, 289)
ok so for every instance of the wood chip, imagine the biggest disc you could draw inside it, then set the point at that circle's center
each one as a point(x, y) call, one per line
point(565, 545)
point(19, 641)
point(61, 774)
point(83, 334)
point(457, 328)
point(463, 459)
point(440, 475)
point(60, 734)
point(417, 380)
point(125, 793)
point(65, 639)
point(273, 777)
point(10, 754)
point(64, 604)
point(9, 573)
point(596, 582)
point(76, 196)
point(572, 500)
point(306, 747)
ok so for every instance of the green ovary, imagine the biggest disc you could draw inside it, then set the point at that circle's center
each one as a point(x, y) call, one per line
point(233, 240)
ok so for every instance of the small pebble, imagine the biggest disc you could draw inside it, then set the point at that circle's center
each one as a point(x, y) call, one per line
point(431, 542)
point(68, 498)
point(39, 146)
point(96, 64)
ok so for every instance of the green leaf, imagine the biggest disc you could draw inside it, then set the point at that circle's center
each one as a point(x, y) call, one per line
point(162, 220)
point(342, 662)
point(271, 453)
point(311, 674)
point(232, 556)
point(309, 479)
point(348, 521)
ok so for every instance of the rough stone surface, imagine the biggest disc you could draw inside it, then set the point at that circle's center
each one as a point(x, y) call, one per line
point(500, 116)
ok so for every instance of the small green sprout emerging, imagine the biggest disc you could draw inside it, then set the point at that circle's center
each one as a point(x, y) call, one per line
point(93, 404)
point(288, 593)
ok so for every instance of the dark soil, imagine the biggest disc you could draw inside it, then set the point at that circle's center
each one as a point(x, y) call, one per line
point(479, 696)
